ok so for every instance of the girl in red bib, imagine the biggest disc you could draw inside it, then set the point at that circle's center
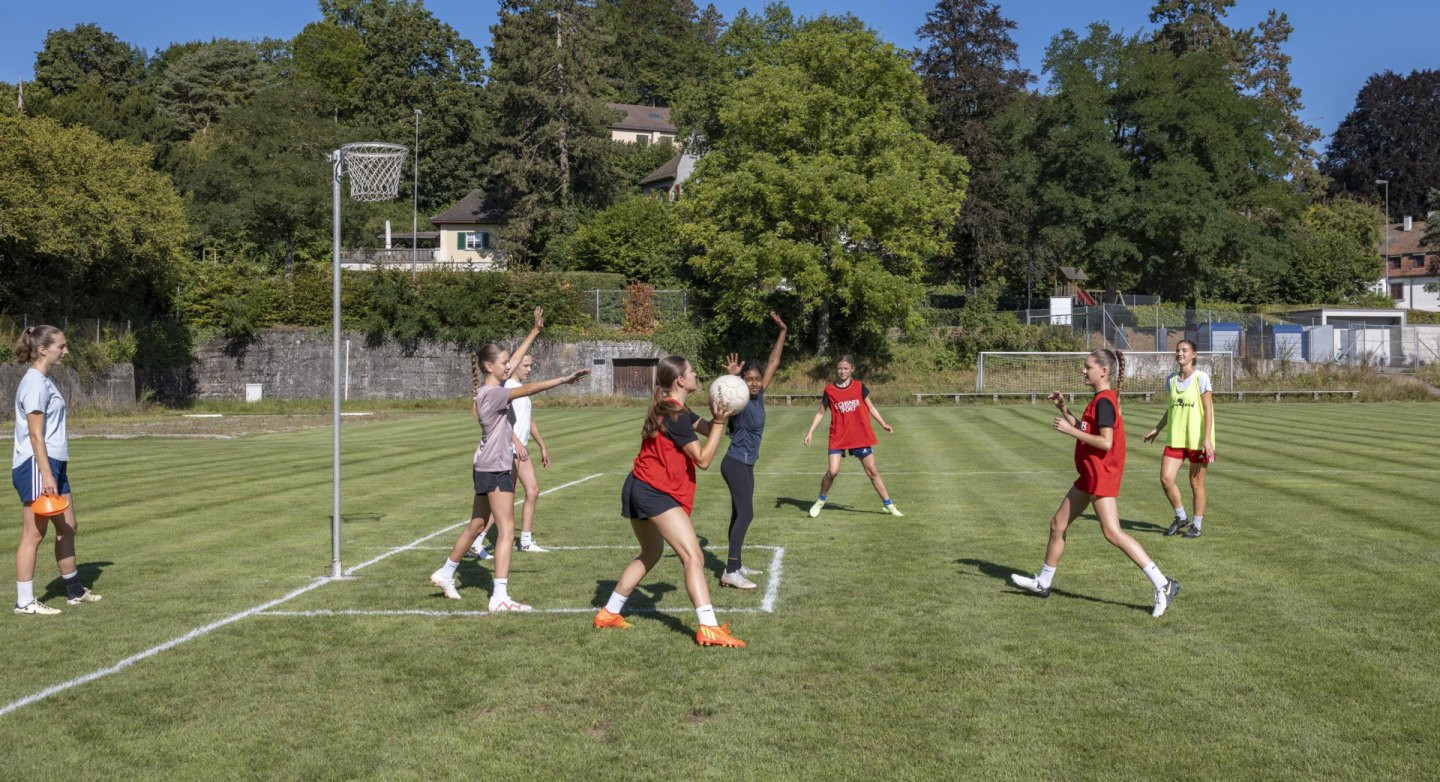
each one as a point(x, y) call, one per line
point(850, 406)
point(659, 495)
point(1100, 460)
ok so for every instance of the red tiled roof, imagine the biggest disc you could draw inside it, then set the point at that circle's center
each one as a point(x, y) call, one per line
point(1406, 245)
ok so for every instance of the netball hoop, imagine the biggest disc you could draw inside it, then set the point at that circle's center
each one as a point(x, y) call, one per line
point(374, 169)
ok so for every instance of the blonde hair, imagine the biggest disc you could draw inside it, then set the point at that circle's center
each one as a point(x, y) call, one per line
point(27, 347)
point(1114, 361)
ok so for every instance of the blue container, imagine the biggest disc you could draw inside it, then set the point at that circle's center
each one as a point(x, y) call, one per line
point(1285, 341)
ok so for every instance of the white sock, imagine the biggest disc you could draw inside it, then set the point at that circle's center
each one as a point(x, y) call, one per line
point(616, 603)
point(24, 593)
point(706, 615)
point(1047, 574)
point(524, 539)
point(1152, 572)
point(502, 589)
point(1197, 522)
point(448, 569)
point(1180, 513)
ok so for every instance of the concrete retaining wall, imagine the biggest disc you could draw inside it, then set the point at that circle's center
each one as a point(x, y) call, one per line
point(114, 390)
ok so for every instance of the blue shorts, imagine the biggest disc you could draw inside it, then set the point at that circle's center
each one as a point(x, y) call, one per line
point(858, 453)
point(27, 479)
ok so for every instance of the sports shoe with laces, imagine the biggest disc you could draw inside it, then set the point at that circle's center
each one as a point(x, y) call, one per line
point(750, 571)
point(506, 605)
point(1029, 584)
point(479, 552)
point(84, 597)
point(1176, 525)
point(533, 548)
point(891, 509)
point(711, 635)
point(735, 580)
point(815, 509)
point(1163, 597)
point(446, 584)
point(603, 618)
point(37, 608)
point(1193, 532)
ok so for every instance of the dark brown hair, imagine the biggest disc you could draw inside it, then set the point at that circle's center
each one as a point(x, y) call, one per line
point(27, 347)
point(667, 371)
point(1187, 341)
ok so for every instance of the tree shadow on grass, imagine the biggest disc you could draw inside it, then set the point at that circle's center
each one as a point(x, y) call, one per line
point(644, 601)
point(90, 573)
point(1002, 573)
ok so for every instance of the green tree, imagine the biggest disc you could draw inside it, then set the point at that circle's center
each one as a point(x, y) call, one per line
point(970, 76)
point(330, 59)
point(659, 47)
point(205, 81)
point(820, 190)
point(86, 227)
point(552, 156)
point(87, 55)
point(264, 179)
point(1334, 252)
point(637, 237)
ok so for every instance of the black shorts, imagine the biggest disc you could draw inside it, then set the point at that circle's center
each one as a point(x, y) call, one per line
point(640, 500)
point(486, 482)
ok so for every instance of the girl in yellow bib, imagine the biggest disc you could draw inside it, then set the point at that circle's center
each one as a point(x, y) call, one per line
point(1189, 426)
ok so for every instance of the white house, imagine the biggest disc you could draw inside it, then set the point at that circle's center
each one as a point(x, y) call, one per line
point(670, 178)
point(1410, 267)
point(642, 124)
point(468, 232)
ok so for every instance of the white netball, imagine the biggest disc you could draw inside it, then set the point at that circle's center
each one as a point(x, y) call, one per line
point(732, 393)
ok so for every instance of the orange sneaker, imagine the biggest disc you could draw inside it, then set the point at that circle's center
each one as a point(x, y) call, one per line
point(604, 618)
point(710, 635)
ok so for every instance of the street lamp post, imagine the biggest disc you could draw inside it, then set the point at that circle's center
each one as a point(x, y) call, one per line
point(415, 203)
point(1385, 256)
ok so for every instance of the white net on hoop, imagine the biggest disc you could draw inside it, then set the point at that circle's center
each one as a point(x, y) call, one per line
point(374, 169)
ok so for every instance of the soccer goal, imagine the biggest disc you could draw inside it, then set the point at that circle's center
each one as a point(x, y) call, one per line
point(1145, 371)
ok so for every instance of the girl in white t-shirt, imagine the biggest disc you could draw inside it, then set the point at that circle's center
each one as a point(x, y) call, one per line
point(493, 463)
point(38, 467)
point(523, 421)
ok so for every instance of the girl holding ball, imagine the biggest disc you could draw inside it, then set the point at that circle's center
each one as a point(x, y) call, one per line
point(1100, 459)
point(658, 497)
point(1189, 436)
point(738, 466)
point(851, 408)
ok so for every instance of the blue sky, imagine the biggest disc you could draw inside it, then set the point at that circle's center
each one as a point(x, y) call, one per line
point(1337, 44)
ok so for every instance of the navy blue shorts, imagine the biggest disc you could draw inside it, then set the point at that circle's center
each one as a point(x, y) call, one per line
point(858, 453)
point(640, 500)
point(27, 479)
point(486, 482)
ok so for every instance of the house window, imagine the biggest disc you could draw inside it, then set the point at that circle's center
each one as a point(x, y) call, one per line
point(477, 240)
point(666, 140)
point(1418, 261)
point(1394, 261)
point(642, 140)
point(1397, 290)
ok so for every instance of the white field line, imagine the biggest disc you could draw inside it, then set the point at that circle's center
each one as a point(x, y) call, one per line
point(772, 587)
point(432, 613)
point(206, 629)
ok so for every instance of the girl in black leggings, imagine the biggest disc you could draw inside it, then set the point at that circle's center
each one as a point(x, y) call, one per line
point(738, 466)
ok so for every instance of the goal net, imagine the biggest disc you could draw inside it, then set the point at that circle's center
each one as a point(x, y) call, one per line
point(1145, 371)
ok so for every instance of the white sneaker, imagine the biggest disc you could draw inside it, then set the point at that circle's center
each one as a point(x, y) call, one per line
point(479, 552)
point(750, 571)
point(815, 509)
point(88, 597)
point(507, 605)
point(533, 548)
point(736, 580)
point(446, 584)
point(1029, 584)
point(37, 608)
point(1165, 595)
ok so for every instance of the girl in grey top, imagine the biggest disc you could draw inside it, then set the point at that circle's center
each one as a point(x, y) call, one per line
point(494, 486)
point(738, 466)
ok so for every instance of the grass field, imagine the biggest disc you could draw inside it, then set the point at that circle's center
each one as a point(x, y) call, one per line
point(1302, 647)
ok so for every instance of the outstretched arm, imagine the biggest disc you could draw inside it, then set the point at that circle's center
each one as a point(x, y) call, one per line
point(774, 362)
point(545, 385)
point(525, 346)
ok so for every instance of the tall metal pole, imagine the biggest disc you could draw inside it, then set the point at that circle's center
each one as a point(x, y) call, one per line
point(1385, 256)
point(415, 202)
point(336, 159)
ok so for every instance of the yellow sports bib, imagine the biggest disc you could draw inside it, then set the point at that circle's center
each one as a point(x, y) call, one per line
point(1186, 415)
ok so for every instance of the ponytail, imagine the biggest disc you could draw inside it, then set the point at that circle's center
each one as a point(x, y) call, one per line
point(1114, 361)
point(667, 371)
point(474, 385)
point(32, 338)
